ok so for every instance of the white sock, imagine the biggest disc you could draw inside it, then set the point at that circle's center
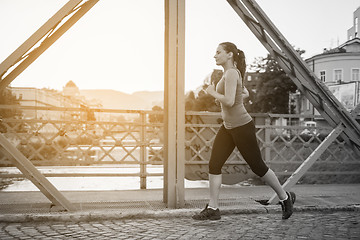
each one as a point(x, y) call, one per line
point(285, 198)
point(212, 208)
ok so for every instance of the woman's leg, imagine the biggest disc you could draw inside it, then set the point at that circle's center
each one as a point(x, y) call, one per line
point(245, 140)
point(271, 180)
point(222, 148)
point(214, 189)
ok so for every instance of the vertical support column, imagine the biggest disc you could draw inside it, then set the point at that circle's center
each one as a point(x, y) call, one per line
point(181, 104)
point(268, 129)
point(143, 151)
point(260, 121)
point(174, 103)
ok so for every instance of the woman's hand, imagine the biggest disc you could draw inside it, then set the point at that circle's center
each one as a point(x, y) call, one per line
point(217, 102)
point(211, 89)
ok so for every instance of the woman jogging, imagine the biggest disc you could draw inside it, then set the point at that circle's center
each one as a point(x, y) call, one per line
point(238, 130)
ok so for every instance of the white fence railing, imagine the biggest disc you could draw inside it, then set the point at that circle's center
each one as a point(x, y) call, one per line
point(134, 137)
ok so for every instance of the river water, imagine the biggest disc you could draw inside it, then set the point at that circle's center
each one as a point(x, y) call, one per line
point(94, 183)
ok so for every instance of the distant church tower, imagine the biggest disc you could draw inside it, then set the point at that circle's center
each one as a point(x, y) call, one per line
point(71, 89)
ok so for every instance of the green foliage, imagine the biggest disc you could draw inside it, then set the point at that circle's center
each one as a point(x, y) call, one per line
point(7, 98)
point(273, 88)
point(156, 118)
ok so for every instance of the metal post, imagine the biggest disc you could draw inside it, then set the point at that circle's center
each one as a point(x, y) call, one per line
point(174, 103)
point(260, 121)
point(267, 155)
point(143, 151)
point(180, 168)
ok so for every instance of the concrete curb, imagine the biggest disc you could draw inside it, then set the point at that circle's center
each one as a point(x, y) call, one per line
point(102, 215)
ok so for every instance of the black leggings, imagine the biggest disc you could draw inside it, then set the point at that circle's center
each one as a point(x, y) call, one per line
point(244, 139)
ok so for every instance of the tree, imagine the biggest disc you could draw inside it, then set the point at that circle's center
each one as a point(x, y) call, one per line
point(156, 118)
point(273, 88)
point(7, 98)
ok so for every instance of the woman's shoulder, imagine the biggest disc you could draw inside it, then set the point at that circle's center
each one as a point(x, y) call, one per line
point(232, 73)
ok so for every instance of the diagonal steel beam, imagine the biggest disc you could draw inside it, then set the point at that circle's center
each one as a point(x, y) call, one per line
point(305, 166)
point(17, 62)
point(31, 173)
point(296, 68)
point(316, 91)
point(45, 36)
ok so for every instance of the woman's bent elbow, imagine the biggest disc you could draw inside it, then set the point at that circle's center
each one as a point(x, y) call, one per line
point(229, 103)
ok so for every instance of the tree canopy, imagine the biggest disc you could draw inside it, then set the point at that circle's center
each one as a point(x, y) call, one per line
point(7, 98)
point(273, 87)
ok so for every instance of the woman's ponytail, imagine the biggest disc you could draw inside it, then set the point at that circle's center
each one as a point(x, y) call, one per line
point(241, 62)
point(239, 57)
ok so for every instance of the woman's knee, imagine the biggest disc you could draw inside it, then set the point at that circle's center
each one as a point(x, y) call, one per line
point(260, 170)
point(214, 169)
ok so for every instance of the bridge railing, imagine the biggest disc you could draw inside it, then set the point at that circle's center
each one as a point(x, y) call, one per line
point(66, 137)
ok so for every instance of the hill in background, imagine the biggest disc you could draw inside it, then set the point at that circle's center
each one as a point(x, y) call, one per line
point(112, 99)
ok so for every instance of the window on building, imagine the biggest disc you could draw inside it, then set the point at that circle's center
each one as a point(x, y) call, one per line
point(337, 75)
point(355, 74)
point(308, 105)
point(356, 26)
point(249, 78)
point(322, 76)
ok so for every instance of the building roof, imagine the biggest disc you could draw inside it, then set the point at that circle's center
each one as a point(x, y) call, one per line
point(350, 42)
point(70, 84)
point(349, 47)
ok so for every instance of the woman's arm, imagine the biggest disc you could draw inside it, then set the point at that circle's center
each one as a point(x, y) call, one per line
point(228, 99)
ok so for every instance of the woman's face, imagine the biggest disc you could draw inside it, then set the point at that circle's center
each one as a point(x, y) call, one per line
point(221, 56)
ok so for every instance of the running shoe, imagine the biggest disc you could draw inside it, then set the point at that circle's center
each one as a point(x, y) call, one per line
point(287, 205)
point(208, 214)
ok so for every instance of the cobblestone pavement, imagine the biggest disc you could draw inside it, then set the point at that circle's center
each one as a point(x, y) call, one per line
point(302, 225)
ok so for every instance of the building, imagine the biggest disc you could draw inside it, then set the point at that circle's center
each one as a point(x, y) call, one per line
point(339, 69)
point(353, 32)
point(70, 89)
point(68, 98)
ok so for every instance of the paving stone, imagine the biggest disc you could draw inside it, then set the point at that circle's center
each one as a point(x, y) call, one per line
point(309, 225)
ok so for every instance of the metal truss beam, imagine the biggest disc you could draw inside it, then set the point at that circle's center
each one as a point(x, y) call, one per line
point(17, 62)
point(31, 173)
point(42, 39)
point(305, 166)
point(296, 68)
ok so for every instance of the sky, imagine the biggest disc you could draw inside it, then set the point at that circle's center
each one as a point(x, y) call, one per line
point(119, 44)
